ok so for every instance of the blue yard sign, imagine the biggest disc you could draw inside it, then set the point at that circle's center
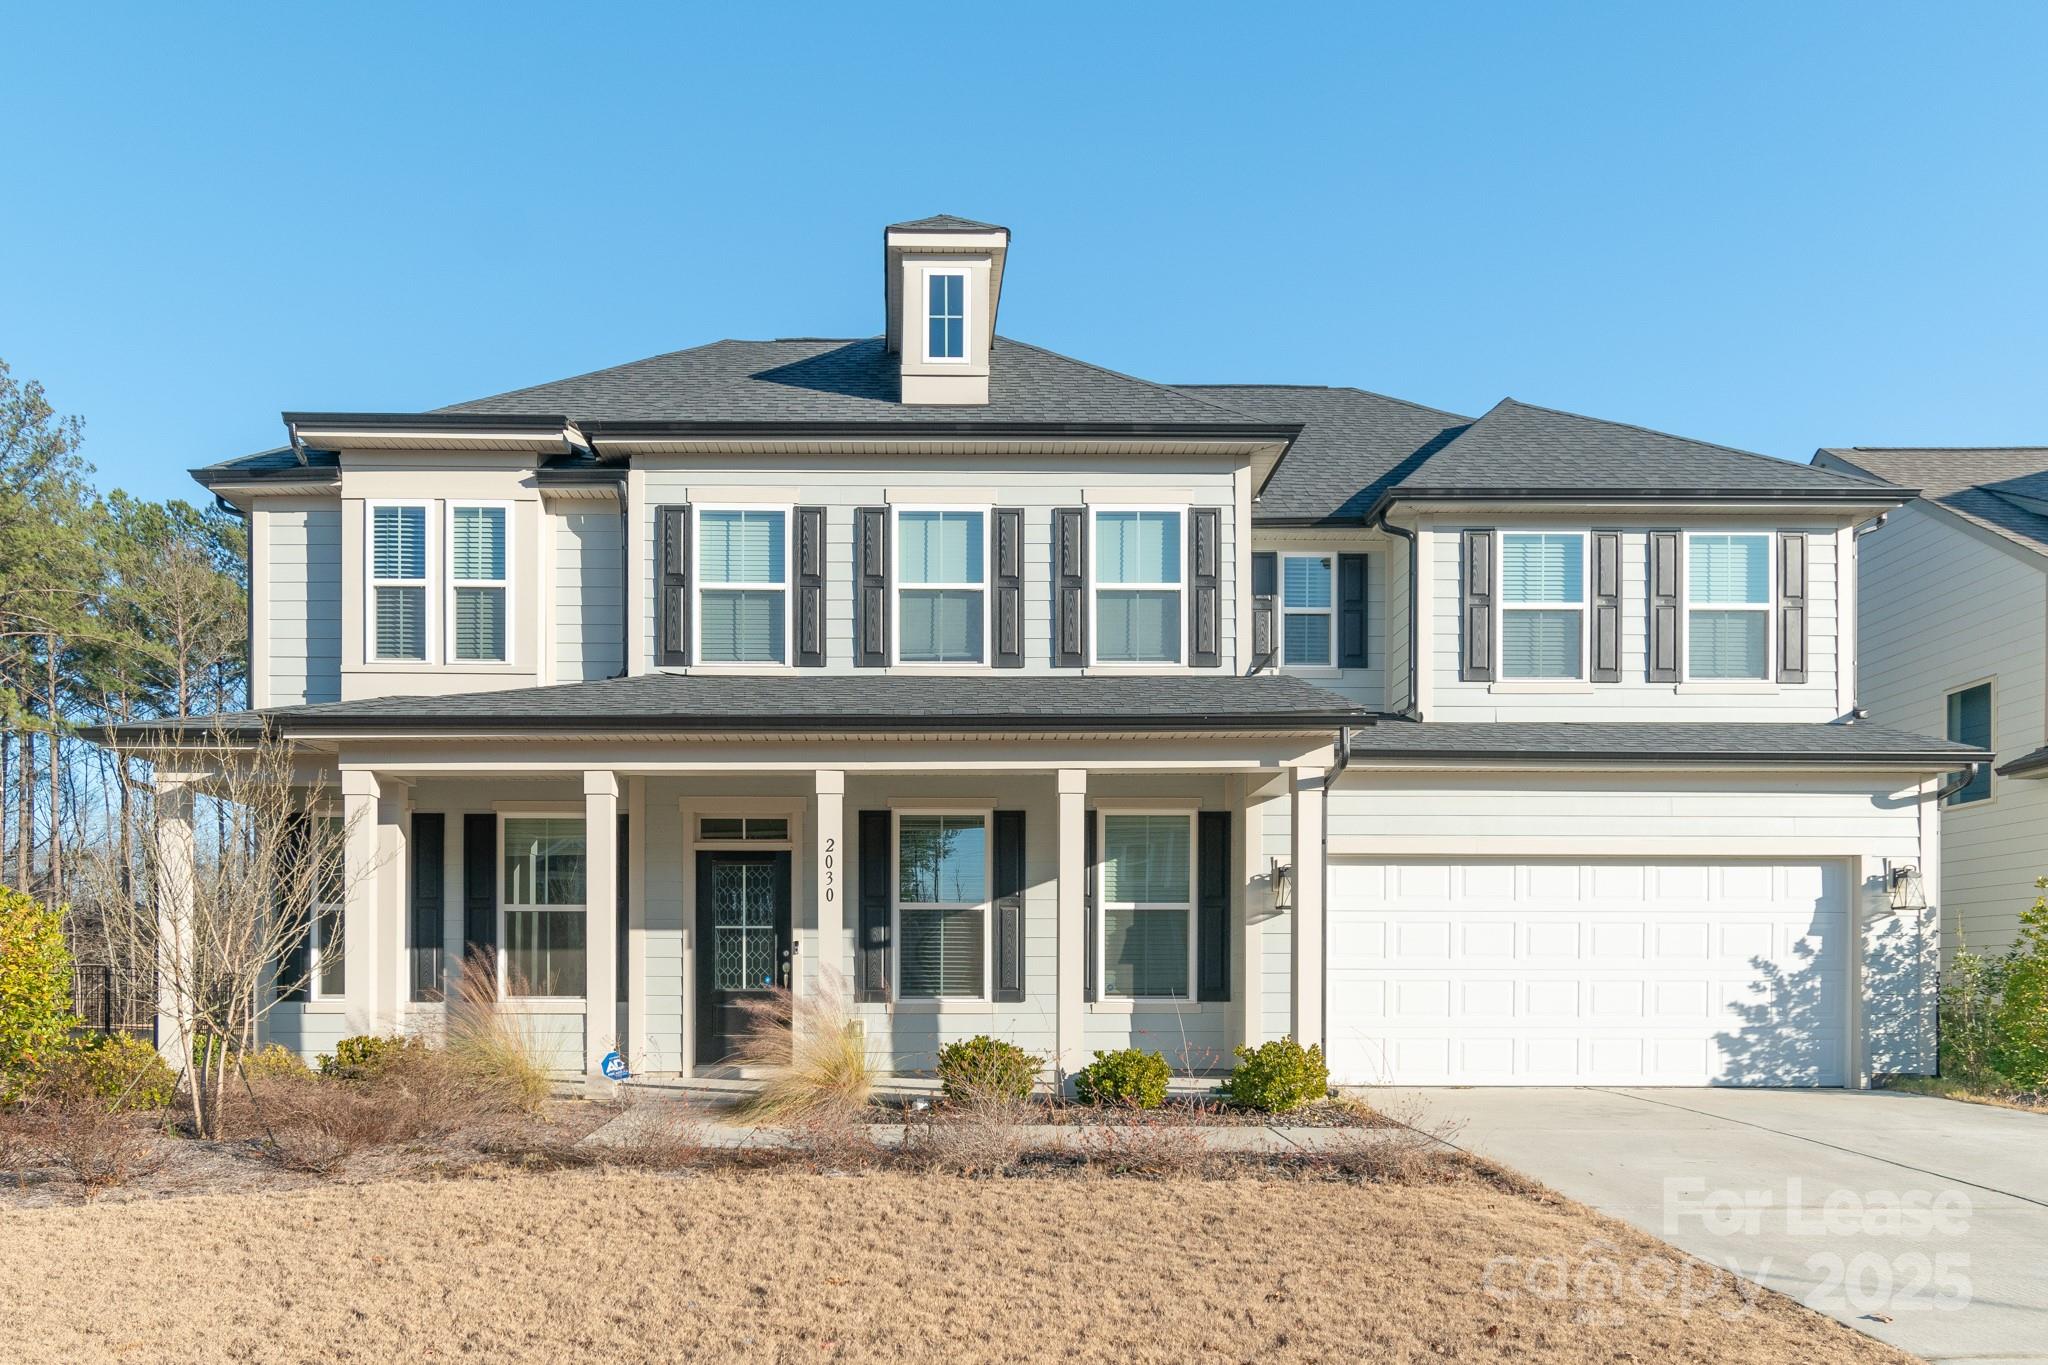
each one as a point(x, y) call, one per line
point(614, 1067)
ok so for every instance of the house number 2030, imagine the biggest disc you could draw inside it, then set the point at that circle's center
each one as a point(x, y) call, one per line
point(831, 868)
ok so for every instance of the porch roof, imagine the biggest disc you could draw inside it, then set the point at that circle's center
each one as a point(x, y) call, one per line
point(738, 703)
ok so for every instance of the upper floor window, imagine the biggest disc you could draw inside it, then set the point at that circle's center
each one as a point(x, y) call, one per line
point(742, 588)
point(477, 582)
point(1543, 604)
point(545, 890)
point(945, 315)
point(942, 905)
point(1306, 636)
point(1137, 586)
point(399, 556)
point(1969, 722)
point(941, 602)
point(1728, 605)
point(1148, 908)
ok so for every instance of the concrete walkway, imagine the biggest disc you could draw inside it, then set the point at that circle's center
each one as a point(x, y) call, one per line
point(1921, 1221)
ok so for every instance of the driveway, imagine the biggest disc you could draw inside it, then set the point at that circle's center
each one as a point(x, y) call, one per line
point(1921, 1221)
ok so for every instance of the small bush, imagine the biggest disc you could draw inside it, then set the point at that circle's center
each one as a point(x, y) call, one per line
point(1994, 1010)
point(35, 990)
point(415, 1094)
point(363, 1057)
point(124, 1072)
point(982, 1067)
point(1129, 1076)
point(983, 1132)
point(1278, 1076)
point(275, 1062)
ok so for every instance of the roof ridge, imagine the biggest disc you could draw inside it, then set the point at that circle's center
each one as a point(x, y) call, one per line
point(587, 374)
point(1344, 388)
point(1652, 431)
point(1942, 450)
point(1118, 374)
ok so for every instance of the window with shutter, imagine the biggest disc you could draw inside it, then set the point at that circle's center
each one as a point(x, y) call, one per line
point(1147, 876)
point(742, 584)
point(399, 561)
point(942, 905)
point(1727, 605)
point(941, 587)
point(1542, 604)
point(1137, 585)
point(1308, 610)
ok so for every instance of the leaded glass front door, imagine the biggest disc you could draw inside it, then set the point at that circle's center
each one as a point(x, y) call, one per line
point(742, 944)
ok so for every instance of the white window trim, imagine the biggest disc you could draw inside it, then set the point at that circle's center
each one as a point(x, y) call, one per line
point(897, 587)
point(1768, 608)
point(1584, 606)
point(986, 906)
point(504, 584)
point(504, 905)
point(1990, 795)
point(1096, 588)
point(698, 586)
point(1330, 661)
point(428, 597)
point(1101, 873)
point(924, 310)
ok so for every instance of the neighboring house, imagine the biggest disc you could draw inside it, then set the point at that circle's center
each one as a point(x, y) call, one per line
point(1954, 600)
point(1032, 699)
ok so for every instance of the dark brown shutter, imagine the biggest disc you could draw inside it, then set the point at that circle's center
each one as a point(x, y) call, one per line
point(1212, 905)
point(1070, 586)
point(1475, 657)
point(1791, 607)
point(1205, 587)
point(1265, 609)
point(429, 840)
point(1009, 906)
point(871, 587)
point(1089, 962)
point(1350, 612)
point(621, 981)
point(871, 948)
point(810, 587)
point(1007, 611)
point(1605, 665)
point(480, 897)
point(672, 586)
point(1667, 583)
point(294, 967)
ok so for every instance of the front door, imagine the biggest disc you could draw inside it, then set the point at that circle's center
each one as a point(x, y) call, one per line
point(742, 944)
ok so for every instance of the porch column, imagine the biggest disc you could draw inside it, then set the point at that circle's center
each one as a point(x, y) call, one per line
point(600, 921)
point(1306, 830)
point(392, 973)
point(360, 922)
point(830, 972)
point(637, 980)
point(1070, 1015)
point(176, 889)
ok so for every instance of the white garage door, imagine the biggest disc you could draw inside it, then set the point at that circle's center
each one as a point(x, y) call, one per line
point(1485, 972)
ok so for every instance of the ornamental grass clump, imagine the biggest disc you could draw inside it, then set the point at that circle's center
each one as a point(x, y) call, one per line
point(816, 1072)
point(494, 1046)
point(1129, 1076)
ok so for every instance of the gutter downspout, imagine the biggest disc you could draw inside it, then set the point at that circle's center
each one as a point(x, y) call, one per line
point(625, 575)
point(1411, 711)
point(1958, 780)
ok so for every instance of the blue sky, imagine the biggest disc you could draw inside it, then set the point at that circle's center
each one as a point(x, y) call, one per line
point(1776, 226)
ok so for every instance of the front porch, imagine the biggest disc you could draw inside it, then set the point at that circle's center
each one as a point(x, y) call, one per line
point(1068, 897)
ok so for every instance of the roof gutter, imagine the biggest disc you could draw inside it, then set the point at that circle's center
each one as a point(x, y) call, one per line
point(1958, 780)
point(1796, 497)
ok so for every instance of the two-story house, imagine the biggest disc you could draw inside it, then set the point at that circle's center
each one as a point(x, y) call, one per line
point(1954, 638)
point(1032, 699)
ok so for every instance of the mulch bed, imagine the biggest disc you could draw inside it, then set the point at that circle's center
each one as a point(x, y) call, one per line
point(1202, 1110)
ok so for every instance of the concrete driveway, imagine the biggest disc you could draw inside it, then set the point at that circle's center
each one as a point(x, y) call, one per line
point(1865, 1205)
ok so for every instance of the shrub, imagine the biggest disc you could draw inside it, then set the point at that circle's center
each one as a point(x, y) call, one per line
point(125, 1072)
point(2019, 1048)
point(362, 1057)
point(1129, 1076)
point(35, 989)
point(87, 1137)
point(275, 1062)
point(982, 1067)
point(1161, 1146)
point(1278, 1076)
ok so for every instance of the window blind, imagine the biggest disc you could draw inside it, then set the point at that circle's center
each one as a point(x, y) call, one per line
point(942, 952)
point(1730, 569)
point(1137, 547)
point(741, 546)
point(1542, 568)
point(1145, 859)
point(1137, 627)
point(940, 547)
point(401, 623)
point(1539, 644)
point(399, 542)
point(479, 623)
point(1145, 952)
point(741, 627)
point(477, 543)
point(940, 625)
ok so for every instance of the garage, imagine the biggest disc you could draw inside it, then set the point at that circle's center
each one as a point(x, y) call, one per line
point(1607, 972)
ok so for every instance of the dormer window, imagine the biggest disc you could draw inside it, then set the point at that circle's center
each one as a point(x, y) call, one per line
point(945, 315)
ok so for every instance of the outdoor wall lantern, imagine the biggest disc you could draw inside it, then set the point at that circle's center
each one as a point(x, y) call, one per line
point(1903, 886)
point(1282, 877)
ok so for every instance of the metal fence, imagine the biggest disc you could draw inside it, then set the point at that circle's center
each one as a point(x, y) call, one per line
point(96, 999)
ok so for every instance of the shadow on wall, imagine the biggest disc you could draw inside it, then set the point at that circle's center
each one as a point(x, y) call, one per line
point(1899, 978)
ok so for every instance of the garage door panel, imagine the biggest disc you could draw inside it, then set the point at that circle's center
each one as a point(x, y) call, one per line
point(1671, 973)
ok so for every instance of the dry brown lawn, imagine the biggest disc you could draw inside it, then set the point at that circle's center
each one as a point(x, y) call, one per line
point(609, 1265)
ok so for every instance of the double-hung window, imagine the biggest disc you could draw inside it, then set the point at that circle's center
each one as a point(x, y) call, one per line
point(1137, 586)
point(742, 588)
point(1306, 633)
point(1148, 913)
point(941, 600)
point(1728, 605)
point(945, 315)
point(477, 582)
point(326, 959)
point(1969, 722)
point(1543, 605)
point(942, 877)
point(544, 900)
point(400, 560)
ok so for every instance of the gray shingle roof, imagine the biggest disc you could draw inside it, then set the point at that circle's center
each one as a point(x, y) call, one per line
point(945, 222)
point(1656, 742)
point(697, 701)
point(2001, 489)
point(1354, 445)
point(2026, 765)
point(1520, 449)
point(817, 380)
